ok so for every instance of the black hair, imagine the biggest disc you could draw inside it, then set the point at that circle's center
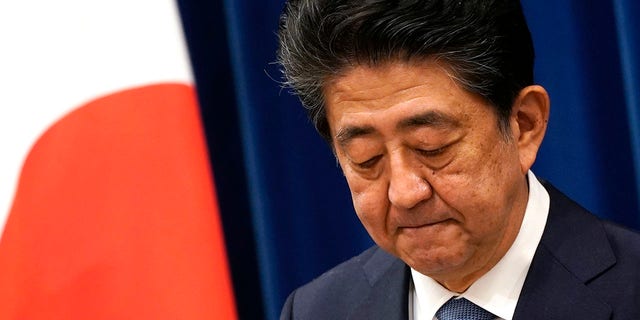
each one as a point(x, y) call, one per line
point(485, 44)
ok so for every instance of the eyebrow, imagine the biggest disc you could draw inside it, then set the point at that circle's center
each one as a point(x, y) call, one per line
point(433, 119)
point(349, 133)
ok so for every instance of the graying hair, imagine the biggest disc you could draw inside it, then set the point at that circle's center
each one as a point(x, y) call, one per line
point(485, 45)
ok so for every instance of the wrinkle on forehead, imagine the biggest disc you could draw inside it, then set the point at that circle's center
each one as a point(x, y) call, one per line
point(348, 86)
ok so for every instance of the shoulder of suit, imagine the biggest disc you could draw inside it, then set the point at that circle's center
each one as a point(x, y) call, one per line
point(348, 272)
point(572, 221)
point(339, 289)
point(624, 241)
point(582, 241)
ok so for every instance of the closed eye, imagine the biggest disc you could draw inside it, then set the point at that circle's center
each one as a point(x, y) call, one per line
point(369, 163)
point(432, 152)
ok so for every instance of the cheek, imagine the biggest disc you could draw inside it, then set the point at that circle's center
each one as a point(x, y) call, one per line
point(474, 187)
point(370, 202)
point(485, 199)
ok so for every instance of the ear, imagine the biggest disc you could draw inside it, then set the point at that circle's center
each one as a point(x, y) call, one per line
point(529, 118)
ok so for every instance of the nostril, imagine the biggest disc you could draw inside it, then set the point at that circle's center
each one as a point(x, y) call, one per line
point(408, 191)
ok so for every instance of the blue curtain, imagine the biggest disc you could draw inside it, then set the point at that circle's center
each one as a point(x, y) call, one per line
point(286, 208)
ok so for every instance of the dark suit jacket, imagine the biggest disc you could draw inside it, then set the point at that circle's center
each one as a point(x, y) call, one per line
point(583, 268)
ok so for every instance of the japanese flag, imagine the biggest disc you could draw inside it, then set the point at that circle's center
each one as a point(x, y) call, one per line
point(105, 183)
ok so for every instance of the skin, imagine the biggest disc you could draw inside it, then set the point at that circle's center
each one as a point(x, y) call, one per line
point(433, 179)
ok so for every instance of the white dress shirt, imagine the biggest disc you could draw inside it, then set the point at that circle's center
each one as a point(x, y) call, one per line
point(498, 290)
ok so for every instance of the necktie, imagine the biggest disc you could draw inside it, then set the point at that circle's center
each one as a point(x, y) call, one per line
point(462, 309)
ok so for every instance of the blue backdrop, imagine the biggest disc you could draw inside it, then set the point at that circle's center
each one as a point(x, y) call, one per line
point(286, 208)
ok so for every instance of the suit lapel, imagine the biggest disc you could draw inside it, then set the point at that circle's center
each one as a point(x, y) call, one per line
point(573, 250)
point(388, 296)
point(553, 292)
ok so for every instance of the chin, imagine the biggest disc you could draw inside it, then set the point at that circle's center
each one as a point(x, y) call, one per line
point(438, 263)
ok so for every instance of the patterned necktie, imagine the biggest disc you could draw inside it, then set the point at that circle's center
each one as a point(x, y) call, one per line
point(462, 309)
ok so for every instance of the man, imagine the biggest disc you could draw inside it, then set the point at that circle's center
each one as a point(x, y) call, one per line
point(432, 113)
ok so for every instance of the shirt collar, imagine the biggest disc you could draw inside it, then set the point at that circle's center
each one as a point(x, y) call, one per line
point(498, 290)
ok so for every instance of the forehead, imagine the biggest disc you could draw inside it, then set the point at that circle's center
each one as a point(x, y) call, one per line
point(369, 85)
point(365, 97)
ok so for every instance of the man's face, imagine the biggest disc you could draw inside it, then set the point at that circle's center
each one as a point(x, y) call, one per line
point(432, 178)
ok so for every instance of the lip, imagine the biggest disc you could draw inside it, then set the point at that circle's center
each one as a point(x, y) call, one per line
point(426, 225)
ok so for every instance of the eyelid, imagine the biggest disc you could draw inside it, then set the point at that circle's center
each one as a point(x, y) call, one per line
point(369, 163)
point(439, 150)
point(433, 152)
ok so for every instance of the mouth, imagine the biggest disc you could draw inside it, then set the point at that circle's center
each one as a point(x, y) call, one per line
point(427, 225)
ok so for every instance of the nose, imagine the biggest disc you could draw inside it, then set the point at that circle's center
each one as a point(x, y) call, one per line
point(407, 185)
